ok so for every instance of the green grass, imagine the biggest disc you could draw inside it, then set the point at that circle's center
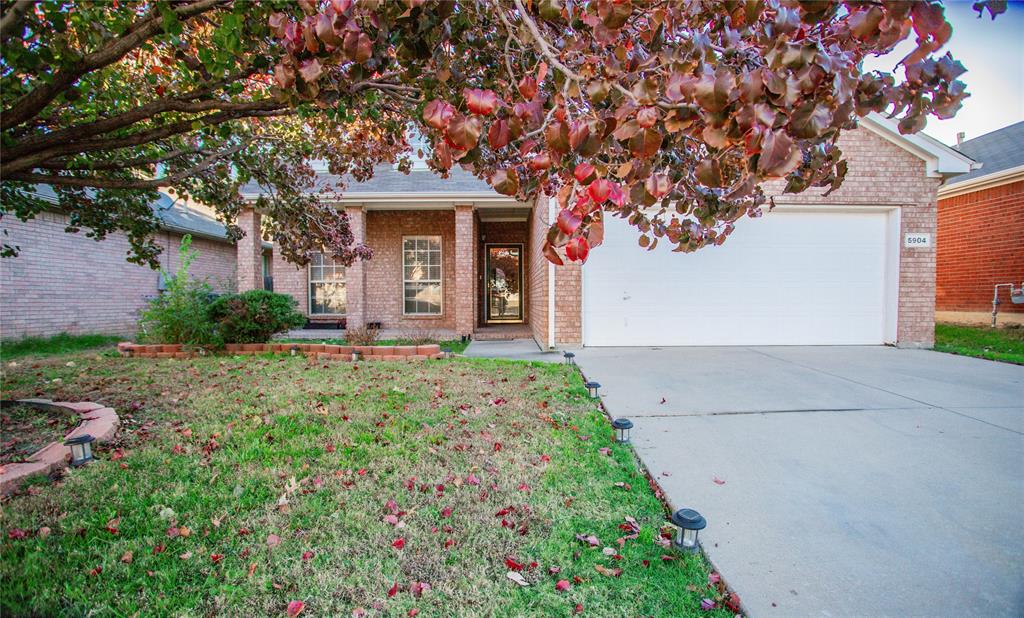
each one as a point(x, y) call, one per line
point(1004, 343)
point(457, 346)
point(58, 344)
point(236, 449)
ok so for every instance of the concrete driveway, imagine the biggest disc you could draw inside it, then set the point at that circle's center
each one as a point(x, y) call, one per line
point(858, 481)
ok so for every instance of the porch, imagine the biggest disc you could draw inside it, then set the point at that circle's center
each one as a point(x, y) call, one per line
point(440, 269)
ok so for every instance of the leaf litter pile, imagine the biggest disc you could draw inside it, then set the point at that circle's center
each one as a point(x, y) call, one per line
point(276, 486)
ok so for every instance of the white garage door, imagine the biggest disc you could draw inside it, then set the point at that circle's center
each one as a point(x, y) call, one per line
point(804, 277)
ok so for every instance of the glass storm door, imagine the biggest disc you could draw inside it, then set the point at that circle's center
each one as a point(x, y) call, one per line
point(504, 283)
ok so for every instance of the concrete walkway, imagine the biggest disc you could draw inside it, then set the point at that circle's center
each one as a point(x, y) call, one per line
point(516, 349)
point(851, 481)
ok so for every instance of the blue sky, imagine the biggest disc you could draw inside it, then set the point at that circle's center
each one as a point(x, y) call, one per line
point(993, 52)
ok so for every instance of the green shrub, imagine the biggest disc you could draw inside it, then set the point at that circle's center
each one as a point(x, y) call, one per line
point(254, 316)
point(179, 314)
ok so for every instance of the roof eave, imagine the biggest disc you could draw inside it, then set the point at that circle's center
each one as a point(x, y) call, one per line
point(941, 161)
point(995, 179)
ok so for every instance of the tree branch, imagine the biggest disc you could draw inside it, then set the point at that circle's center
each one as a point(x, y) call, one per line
point(32, 103)
point(12, 18)
point(119, 165)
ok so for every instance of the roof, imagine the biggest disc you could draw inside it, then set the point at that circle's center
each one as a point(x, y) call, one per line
point(941, 161)
point(388, 180)
point(998, 151)
point(173, 215)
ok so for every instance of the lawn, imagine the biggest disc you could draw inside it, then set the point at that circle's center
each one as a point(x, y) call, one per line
point(457, 346)
point(58, 344)
point(1004, 343)
point(243, 484)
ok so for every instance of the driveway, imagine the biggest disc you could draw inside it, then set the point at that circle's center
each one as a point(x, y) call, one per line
point(858, 481)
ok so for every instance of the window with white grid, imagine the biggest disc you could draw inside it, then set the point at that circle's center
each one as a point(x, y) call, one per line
point(326, 286)
point(421, 272)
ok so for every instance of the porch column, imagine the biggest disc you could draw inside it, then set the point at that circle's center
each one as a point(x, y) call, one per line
point(465, 244)
point(249, 252)
point(355, 275)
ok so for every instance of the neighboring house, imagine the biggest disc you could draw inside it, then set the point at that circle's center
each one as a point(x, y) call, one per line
point(63, 282)
point(453, 256)
point(981, 231)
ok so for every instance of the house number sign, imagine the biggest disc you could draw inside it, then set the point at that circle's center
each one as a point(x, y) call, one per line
point(917, 240)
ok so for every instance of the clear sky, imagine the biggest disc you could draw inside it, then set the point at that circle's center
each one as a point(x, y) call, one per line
point(993, 52)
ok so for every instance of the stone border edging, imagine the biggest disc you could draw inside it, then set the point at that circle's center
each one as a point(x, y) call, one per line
point(318, 351)
point(97, 420)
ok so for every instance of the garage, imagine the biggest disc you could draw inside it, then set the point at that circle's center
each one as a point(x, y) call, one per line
point(796, 276)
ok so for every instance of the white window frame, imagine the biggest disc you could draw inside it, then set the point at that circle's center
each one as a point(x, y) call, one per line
point(440, 281)
point(309, 287)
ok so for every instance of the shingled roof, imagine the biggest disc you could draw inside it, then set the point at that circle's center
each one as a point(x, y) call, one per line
point(996, 151)
point(387, 179)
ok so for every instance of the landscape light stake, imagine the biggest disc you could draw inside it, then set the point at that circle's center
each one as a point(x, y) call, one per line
point(592, 387)
point(447, 352)
point(294, 350)
point(689, 522)
point(356, 356)
point(622, 427)
point(570, 358)
point(81, 449)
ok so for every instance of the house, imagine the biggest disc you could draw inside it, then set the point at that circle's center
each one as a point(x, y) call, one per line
point(981, 231)
point(63, 282)
point(452, 256)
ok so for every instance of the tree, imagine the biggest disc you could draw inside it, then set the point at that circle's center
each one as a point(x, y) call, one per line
point(669, 114)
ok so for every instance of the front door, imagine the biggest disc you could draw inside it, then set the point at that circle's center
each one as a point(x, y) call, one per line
point(504, 284)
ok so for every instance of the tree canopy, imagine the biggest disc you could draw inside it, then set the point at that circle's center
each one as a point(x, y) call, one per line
point(669, 114)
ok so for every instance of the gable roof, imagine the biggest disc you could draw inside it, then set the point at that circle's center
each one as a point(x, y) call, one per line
point(997, 151)
point(173, 215)
point(941, 161)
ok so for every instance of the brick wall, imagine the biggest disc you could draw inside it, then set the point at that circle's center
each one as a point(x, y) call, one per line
point(291, 279)
point(71, 283)
point(882, 173)
point(250, 251)
point(384, 232)
point(980, 243)
point(536, 272)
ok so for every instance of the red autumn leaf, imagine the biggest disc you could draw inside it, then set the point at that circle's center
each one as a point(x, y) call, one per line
point(112, 525)
point(393, 590)
point(647, 117)
point(718, 481)
point(505, 181)
point(463, 132)
point(414, 611)
point(16, 534)
point(216, 558)
point(95, 571)
point(577, 249)
point(562, 585)
point(295, 608)
point(645, 144)
point(512, 564)
point(307, 556)
point(551, 255)
point(539, 162)
point(398, 543)
point(658, 185)
point(578, 609)
point(437, 113)
point(482, 102)
point(528, 87)
point(330, 448)
point(733, 603)
point(472, 479)
point(159, 549)
point(498, 134)
point(446, 511)
point(568, 221)
point(310, 70)
point(273, 541)
point(497, 446)
point(584, 173)
point(117, 454)
point(779, 156)
point(599, 190)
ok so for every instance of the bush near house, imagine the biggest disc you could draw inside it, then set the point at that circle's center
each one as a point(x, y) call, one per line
point(179, 314)
point(254, 316)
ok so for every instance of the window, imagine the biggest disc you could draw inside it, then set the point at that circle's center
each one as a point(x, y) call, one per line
point(326, 286)
point(421, 268)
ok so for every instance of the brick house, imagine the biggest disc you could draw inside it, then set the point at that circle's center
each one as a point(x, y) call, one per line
point(981, 231)
point(455, 258)
point(63, 282)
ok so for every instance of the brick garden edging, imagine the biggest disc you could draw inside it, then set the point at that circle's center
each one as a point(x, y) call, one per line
point(98, 421)
point(318, 351)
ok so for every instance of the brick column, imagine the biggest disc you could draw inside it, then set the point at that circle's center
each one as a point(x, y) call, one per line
point(465, 245)
point(355, 275)
point(249, 252)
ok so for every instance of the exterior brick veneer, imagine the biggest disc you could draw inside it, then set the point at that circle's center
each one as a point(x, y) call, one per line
point(71, 283)
point(97, 421)
point(465, 270)
point(980, 244)
point(537, 272)
point(311, 350)
point(250, 251)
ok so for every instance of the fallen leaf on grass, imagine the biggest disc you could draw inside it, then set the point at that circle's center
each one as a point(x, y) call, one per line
point(606, 571)
point(518, 578)
point(393, 590)
point(127, 557)
point(512, 564)
point(252, 569)
point(112, 525)
point(44, 532)
point(714, 578)
point(216, 558)
point(625, 486)
point(398, 543)
point(295, 608)
point(16, 533)
point(562, 585)
point(707, 604)
point(273, 541)
point(589, 539)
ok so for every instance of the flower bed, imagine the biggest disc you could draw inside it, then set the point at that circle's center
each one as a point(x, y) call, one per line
point(318, 351)
point(98, 421)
